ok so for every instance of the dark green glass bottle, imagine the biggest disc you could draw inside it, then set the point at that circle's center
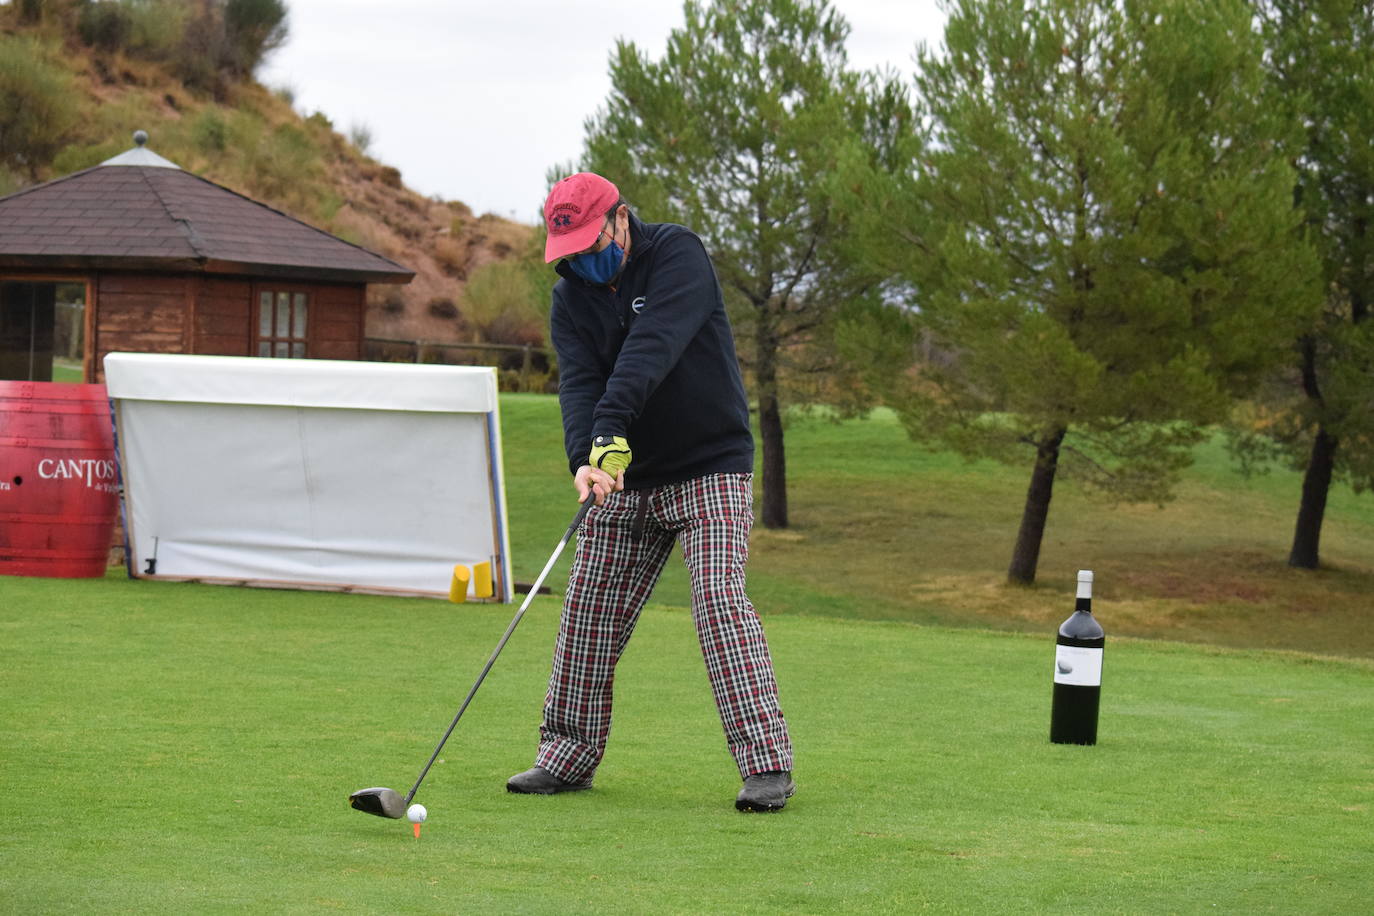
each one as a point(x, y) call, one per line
point(1078, 671)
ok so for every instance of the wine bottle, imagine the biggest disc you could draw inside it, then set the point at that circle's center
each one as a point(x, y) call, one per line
point(1078, 671)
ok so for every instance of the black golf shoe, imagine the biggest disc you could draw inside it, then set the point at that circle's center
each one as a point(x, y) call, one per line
point(765, 792)
point(539, 781)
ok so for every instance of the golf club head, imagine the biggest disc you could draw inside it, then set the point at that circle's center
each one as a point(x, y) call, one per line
point(379, 801)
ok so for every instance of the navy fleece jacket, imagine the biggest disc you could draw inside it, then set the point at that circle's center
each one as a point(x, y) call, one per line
point(653, 360)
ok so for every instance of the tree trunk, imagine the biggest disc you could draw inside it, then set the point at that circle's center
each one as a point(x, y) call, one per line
point(774, 514)
point(1316, 482)
point(1026, 555)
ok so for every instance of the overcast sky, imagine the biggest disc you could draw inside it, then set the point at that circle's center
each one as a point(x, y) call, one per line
point(474, 100)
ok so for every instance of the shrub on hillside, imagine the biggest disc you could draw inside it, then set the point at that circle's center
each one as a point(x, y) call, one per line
point(500, 300)
point(390, 176)
point(158, 28)
point(79, 156)
point(283, 166)
point(360, 135)
point(209, 45)
point(105, 26)
point(452, 256)
point(443, 308)
point(501, 236)
point(210, 132)
point(200, 52)
point(146, 29)
point(9, 182)
point(252, 29)
point(38, 105)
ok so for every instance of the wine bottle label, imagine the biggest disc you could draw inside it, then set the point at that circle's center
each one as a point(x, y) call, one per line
point(1078, 666)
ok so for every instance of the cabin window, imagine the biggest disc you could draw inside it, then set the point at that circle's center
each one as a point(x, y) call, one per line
point(42, 331)
point(282, 323)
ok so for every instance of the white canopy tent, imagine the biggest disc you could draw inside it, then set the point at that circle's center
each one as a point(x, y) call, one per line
point(297, 473)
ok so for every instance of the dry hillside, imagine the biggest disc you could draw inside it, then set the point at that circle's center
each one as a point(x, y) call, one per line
point(253, 141)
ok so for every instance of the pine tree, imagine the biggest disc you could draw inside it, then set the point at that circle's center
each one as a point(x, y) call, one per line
point(1320, 414)
point(1098, 241)
point(732, 133)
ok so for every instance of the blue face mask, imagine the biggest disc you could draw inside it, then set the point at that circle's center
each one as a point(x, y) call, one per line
point(598, 267)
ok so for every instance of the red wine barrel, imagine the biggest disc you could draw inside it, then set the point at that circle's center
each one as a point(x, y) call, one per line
point(58, 487)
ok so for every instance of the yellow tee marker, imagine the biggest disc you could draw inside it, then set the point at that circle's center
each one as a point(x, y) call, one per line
point(481, 580)
point(458, 588)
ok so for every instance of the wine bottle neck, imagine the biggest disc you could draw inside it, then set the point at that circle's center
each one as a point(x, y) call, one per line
point(1085, 584)
point(1083, 604)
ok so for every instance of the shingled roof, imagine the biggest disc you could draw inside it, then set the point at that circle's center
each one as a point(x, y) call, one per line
point(138, 211)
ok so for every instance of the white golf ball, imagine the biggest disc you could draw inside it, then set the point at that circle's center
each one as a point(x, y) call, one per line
point(417, 814)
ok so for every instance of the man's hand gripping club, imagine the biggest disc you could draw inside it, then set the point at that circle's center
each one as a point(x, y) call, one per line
point(604, 472)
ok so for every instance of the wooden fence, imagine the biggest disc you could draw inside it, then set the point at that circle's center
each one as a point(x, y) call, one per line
point(427, 351)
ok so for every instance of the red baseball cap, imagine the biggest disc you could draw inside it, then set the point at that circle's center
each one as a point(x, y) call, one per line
point(575, 212)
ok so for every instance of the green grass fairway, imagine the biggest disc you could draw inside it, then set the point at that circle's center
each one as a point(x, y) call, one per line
point(188, 749)
point(178, 748)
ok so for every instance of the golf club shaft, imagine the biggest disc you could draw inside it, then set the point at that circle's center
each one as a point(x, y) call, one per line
point(505, 637)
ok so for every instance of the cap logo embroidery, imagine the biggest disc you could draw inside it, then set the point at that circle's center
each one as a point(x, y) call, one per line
point(562, 217)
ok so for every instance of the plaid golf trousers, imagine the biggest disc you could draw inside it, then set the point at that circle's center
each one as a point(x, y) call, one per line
point(621, 551)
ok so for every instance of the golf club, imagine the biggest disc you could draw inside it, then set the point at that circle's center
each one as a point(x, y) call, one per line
point(385, 802)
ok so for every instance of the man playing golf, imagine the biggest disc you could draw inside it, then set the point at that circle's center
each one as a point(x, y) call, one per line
point(656, 427)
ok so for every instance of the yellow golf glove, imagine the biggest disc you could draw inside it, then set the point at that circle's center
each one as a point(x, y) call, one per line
point(610, 454)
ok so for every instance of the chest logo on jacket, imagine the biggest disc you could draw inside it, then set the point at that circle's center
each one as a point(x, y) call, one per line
point(637, 306)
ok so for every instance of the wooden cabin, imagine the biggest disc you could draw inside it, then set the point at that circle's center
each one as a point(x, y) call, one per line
point(138, 255)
